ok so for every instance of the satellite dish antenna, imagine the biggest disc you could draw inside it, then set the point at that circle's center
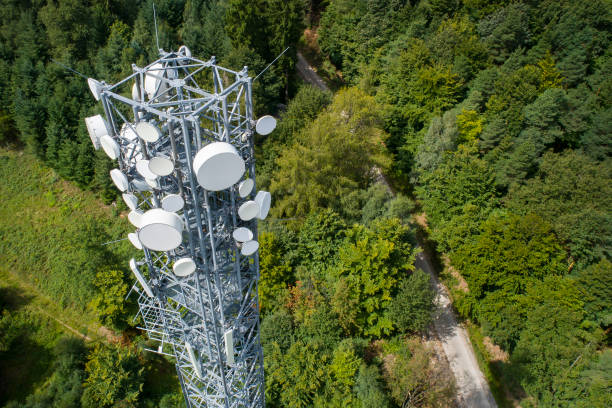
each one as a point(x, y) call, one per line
point(142, 167)
point(172, 203)
point(248, 210)
point(263, 199)
point(95, 87)
point(148, 132)
point(120, 179)
point(245, 187)
point(184, 51)
point(133, 237)
point(265, 125)
point(140, 278)
point(161, 166)
point(153, 80)
point(161, 230)
point(192, 358)
point(130, 200)
point(242, 234)
point(218, 166)
point(135, 218)
point(249, 248)
point(110, 147)
point(96, 127)
point(140, 185)
point(127, 132)
point(184, 267)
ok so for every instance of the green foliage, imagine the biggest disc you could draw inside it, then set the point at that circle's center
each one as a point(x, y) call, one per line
point(113, 374)
point(595, 285)
point(509, 254)
point(415, 380)
point(109, 302)
point(275, 274)
point(369, 389)
point(461, 179)
point(370, 264)
point(332, 157)
point(572, 193)
point(412, 309)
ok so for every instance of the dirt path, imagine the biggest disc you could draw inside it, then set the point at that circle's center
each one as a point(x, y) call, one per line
point(308, 74)
point(472, 388)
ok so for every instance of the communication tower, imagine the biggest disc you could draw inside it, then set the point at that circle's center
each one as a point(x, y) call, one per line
point(181, 130)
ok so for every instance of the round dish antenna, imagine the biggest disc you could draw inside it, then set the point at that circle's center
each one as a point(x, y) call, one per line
point(248, 210)
point(133, 238)
point(148, 132)
point(184, 267)
point(249, 248)
point(96, 127)
point(135, 218)
point(218, 166)
point(245, 187)
point(263, 199)
point(120, 179)
point(172, 202)
point(265, 125)
point(242, 234)
point(110, 147)
point(153, 183)
point(184, 51)
point(95, 87)
point(153, 81)
point(130, 200)
point(142, 167)
point(161, 166)
point(161, 230)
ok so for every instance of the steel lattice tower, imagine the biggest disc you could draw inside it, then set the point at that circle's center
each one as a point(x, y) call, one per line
point(174, 125)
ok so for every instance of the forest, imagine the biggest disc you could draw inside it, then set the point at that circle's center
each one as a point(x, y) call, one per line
point(489, 123)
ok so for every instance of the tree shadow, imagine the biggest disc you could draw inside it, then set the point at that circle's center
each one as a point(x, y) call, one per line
point(13, 299)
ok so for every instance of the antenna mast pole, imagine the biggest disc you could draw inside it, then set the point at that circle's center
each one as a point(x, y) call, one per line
point(186, 168)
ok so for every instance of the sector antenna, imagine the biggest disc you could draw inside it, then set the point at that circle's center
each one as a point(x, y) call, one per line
point(181, 133)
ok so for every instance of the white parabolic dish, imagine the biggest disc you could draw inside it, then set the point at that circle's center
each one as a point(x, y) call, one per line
point(95, 87)
point(161, 230)
point(265, 125)
point(153, 79)
point(130, 200)
point(120, 179)
point(96, 127)
point(242, 234)
point(172, 203)
point(110, 147)
point(248, 210)
point(161, 166)
point(142, 166)
point(249, 248)
point(245, 187)
point(135, 218)
point(184, 267)
point(134, 240)
point(263, 199)
point(218, 166)
point(148, 132)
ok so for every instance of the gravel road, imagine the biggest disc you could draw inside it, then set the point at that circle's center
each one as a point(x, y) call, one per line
point(472, 389)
